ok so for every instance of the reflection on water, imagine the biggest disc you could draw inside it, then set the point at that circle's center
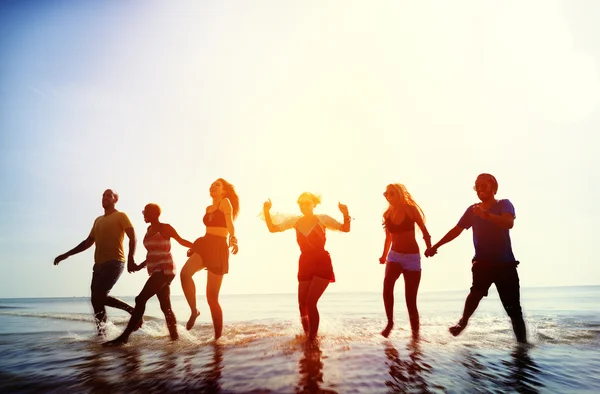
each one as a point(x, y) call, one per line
point(310, 368)
point(519, 373)
point(407, 373)
point(524, 372)
point(207, 378)
point(169, 369)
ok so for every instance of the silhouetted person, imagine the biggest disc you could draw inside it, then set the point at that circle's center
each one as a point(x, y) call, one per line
point(107, 233)
point(401, 252)
point(161, 269)
point(315, 270)
point(212, 252)
point(494, 261)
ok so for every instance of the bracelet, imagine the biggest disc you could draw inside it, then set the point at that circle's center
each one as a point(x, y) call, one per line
point(347, 219)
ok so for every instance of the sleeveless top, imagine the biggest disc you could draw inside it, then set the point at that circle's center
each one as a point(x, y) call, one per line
point(312, 242)
point(215, 218)
point(159, 256)
point(407, 225)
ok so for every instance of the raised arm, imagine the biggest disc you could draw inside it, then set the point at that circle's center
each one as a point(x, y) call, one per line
point(84, 245)
point(267, 213)
point(344, 210)
point(171, 232)
point(228, 211)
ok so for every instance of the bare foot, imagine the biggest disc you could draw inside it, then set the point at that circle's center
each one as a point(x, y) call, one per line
point(192, 320)
point(386, 331)
point(457, 329)
point(115, 342)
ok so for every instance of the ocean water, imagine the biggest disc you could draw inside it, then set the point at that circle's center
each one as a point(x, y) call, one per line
point(49, 346)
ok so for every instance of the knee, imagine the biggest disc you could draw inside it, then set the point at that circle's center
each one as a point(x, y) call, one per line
point(212, 300)
point(139, 300)
point(514, 311)
point(98, 299)
point(303, 307)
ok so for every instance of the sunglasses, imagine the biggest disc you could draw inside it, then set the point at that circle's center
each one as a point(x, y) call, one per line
point(391, 194)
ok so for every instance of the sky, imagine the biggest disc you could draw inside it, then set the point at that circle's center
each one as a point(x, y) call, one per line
point(157, 99)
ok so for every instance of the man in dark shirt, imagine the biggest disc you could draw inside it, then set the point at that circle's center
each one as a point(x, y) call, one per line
point(494, 261)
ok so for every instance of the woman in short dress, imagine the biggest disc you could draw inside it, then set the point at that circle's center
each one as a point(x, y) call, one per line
point(315, 270)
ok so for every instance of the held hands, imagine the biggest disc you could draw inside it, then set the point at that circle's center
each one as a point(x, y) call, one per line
point(131, 266)
point(430, 252)
point(233, 244)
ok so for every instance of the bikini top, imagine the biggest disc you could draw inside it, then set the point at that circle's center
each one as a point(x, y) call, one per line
point(215, 218)
point(407, 225)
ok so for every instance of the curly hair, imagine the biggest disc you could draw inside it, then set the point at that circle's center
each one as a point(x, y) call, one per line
point(232, 196)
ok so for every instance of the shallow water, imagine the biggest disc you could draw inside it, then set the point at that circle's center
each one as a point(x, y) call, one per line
point(49, 345)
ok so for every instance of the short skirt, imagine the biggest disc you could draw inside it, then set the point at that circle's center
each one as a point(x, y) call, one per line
point(214, 251)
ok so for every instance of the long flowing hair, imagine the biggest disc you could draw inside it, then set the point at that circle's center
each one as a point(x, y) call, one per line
point(407, 199)
point(232, 196)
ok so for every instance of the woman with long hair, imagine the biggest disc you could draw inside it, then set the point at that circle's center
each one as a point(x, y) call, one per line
point(161, 268)
point(401, 252)
point(211, 251)
point(315, 270)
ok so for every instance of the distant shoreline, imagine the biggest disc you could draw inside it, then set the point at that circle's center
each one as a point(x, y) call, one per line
point(294, 293)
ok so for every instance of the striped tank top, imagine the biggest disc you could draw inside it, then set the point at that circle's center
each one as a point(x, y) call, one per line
point(159, 256)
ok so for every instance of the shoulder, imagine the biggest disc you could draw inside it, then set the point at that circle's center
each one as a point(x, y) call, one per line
point(166, 229)
point(505, 202)
point(225, 205)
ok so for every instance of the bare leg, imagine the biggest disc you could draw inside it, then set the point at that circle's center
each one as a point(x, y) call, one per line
point(193, 265)
point(392, 273)
point(213, 287)
point(317, 288)
point(411, 288)
point(303, 288)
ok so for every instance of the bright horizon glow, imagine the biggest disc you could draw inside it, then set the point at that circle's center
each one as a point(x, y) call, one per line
point(157, 100)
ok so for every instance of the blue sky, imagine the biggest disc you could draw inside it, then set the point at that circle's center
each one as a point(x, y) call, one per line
point(158, 99)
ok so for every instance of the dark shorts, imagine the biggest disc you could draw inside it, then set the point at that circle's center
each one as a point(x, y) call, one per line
point(214, 252)
point(315, 264)
point(503, 275)
point(105, 275)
